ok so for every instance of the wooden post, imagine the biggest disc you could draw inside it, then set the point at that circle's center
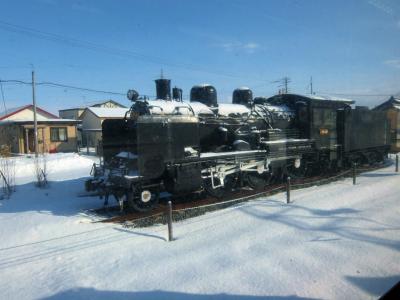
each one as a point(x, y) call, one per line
point(35, 128)
point(397, 163)
point(354, 173)
point(87, 142)
point(27, 140)
point(288, 191)
point(169, 219)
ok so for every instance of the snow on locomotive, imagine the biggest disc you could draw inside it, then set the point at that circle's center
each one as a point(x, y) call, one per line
point(167, 145)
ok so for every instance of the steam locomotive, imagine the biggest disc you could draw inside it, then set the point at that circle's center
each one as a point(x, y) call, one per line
point(171, 146)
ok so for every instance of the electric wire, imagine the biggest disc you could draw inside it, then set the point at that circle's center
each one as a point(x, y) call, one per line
point(86, 89)
point(60, 85)
point(106, 49)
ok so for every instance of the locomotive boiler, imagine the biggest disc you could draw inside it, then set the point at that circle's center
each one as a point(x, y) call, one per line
point(171, 146)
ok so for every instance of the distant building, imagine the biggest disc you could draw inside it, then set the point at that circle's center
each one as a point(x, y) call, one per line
point(54, 134)
point(109, 104)
point(75, 113)
point(392, 109)
point(93, 117)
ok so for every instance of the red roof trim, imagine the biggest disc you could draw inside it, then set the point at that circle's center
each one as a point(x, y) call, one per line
point(29, 106)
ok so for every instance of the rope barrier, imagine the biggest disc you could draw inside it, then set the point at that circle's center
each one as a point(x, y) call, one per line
point(189, 212)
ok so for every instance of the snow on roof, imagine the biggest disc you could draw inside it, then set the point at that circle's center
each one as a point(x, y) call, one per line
point(325, 97)
point(202, 85)
point(75, 108)
point(243, 88)
point(108, 112)
point(328, 97)
point(393, 102)
point(396, 100)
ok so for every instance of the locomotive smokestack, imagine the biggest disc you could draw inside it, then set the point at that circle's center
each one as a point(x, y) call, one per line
point(177, 94)
point(163, 87)
point(204, 93)
point(243, 96)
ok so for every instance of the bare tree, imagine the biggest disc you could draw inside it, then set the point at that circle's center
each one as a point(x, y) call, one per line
point(41, 171)
point(7, 171)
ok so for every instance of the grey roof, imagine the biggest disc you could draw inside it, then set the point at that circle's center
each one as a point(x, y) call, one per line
point(319, 97)
point(326, 97)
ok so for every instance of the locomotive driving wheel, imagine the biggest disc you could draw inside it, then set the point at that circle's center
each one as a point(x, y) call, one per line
point(217, 190)
point(142, 200)
point(257, 181)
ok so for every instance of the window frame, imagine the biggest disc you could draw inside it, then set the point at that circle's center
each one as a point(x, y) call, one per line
point(57, 129)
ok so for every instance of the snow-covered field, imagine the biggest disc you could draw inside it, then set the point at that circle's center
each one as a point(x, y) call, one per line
point(336, 241)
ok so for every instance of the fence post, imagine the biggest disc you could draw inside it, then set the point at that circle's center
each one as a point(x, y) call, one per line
point(354, 173)
point(288, 190)
point(397, 163)
point(169, 219)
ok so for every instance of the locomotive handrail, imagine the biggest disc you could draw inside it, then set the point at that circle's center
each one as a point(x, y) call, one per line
point(153, 106)
point(189, 108)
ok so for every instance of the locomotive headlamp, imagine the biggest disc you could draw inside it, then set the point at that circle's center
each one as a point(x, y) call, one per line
point(132, 95)
point(323, 131)
point(146, 196)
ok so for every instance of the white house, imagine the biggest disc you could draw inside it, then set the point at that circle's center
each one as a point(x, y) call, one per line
point(92, 119)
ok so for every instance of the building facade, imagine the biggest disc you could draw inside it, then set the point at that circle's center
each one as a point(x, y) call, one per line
point(392, 109)
point(92, 119)
point(54, 134)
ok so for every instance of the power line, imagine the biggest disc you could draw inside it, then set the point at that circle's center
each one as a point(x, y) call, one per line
point(284, 82)
point(103, 48)
point(55, 84)
point(15, 81)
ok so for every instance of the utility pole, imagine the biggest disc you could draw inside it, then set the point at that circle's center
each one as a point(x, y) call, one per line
point(34, 114)
point(284, 84)
point(311, 87)
point(286, 81)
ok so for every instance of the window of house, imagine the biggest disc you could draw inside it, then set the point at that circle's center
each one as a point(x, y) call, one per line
point(58, 134)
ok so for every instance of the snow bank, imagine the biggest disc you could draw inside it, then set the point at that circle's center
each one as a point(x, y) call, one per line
point(337, 241)
point(60, 166)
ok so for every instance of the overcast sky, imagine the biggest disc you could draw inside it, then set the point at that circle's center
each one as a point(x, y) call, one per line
point(349, 47)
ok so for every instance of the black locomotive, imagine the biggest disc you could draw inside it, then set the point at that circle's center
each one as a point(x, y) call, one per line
point(167, 145)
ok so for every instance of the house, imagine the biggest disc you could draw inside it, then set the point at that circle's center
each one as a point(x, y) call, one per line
point(392, 109)
point(92, 119)
point(54, 134)
point(75, 113)
point(109, 104)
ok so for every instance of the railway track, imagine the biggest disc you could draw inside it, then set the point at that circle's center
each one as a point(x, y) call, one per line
point(184, 208)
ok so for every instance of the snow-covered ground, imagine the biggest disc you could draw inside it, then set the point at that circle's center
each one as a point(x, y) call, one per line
point(336, 241)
